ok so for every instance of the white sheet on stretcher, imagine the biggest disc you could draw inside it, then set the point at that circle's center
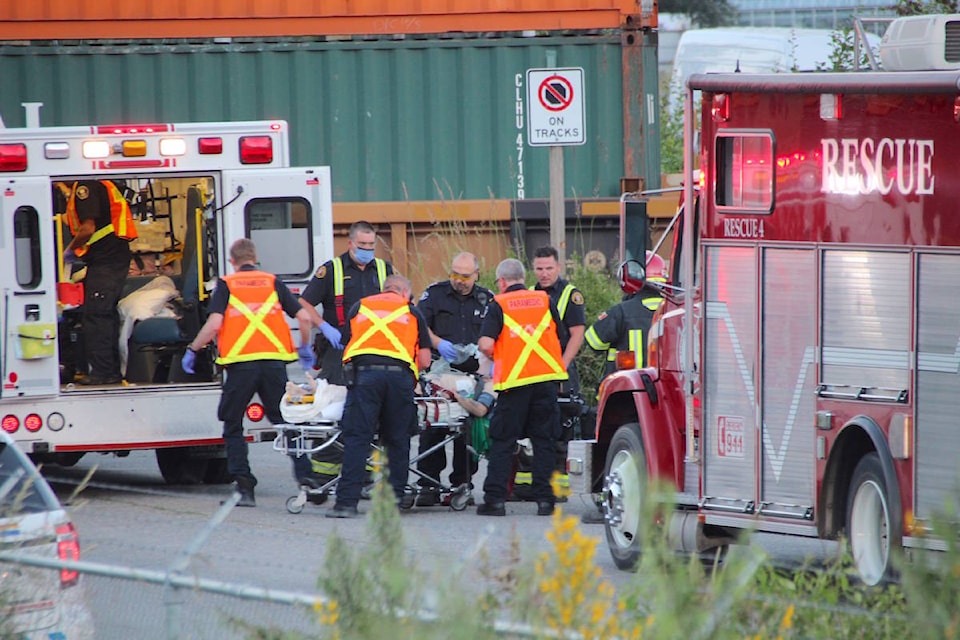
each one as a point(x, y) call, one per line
point(327, 404)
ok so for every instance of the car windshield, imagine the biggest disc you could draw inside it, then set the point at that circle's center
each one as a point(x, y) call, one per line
point(21, 490)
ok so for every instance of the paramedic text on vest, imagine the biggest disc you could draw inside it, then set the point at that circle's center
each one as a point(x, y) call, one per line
point(338, 285)
point(247, 317)
point(100, 221)
point(388, 343)
point(453, 310)
point(520, 334)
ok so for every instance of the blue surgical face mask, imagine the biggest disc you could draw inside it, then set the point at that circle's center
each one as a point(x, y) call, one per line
point(363, 256)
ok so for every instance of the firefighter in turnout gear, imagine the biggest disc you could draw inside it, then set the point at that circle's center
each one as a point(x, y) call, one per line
point(626, 325)
point(337, 286)
point(102, 226)
point(254, 341)
point(387, 346)
point(520, 334)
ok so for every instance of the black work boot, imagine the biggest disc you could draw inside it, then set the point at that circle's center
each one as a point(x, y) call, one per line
point(244, 487)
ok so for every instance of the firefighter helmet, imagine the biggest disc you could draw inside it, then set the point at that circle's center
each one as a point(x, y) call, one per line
point(656, 270)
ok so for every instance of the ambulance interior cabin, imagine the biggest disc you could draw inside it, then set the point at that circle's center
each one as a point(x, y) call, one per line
point(162, 305)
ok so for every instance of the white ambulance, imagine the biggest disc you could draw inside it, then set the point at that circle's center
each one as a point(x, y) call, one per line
point(193, 190)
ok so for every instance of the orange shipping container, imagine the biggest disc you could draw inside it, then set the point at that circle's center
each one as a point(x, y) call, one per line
point(148, 19)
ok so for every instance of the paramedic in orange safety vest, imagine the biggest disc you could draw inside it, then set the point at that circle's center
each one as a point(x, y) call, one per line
point(520, 334)
point(255, 344)
point(387, 345)
point(102, 226)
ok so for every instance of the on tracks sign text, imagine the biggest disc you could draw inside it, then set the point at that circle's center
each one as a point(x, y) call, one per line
point(555, 107)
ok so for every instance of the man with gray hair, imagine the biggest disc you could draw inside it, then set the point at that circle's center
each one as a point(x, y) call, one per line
point(520, 335)
point(387, 344)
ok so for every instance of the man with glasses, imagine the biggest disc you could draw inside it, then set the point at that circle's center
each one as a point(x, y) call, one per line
point(453, 310)
point(338, 285)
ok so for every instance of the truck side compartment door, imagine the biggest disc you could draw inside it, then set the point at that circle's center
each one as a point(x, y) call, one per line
point(30, 363)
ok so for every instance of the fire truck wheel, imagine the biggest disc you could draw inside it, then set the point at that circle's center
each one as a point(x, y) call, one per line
point(624, 484)
point(216, 472)
point(177, 466)
point(868, 521)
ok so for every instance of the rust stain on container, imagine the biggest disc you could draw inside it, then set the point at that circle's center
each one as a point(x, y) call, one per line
point(119, 19)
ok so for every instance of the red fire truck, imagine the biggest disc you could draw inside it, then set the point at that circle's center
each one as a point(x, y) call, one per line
point(803, 370)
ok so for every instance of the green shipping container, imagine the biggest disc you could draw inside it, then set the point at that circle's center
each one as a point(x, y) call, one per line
point(396, 119)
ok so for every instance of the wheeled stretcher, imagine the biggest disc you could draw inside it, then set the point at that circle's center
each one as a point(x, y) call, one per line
point(307, 432)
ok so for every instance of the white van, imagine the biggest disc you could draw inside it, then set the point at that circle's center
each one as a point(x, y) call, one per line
point(749, 50)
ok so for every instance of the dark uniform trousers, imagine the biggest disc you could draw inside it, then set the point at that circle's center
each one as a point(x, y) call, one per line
point(381, 397)
point(268, 379)
point(529, 411)
point(101, 324)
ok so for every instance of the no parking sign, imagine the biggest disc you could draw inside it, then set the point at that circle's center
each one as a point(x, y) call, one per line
point(555, 107)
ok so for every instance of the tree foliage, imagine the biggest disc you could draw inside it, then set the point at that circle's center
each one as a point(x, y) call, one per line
point(919, 7)
point(705, 13)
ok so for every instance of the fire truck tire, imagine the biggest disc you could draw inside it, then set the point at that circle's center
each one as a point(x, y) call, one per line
point(624, 485)
point(177, 466)
point(216, 472)
point(868, 521)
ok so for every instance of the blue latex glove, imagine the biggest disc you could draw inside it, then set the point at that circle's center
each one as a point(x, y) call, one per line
point(69, 256)
point(447, 351)
point(306, 357)
point(493, 368)
point(332, 334)
point(189, 358)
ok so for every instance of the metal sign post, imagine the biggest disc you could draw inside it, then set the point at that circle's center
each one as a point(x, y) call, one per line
point(556, 119)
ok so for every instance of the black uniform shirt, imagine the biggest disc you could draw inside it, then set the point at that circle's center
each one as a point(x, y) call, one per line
point(93, 203)
point(614, 326)
point(220, 298)
point(575, 314)
point(357, 283)
point(423, 339)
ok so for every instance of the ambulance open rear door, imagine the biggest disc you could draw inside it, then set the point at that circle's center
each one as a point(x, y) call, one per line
point(29, 358)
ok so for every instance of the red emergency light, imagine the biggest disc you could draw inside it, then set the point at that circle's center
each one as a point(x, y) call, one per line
point(10, 423)
point(210, 146)
point(256, 150)
point(255, 412)
point(13, 157)
point(720, 109)
point(32, 423)
point(68, 548)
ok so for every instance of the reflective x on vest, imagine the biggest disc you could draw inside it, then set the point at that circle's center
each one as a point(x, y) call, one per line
point(531, 344)
point(380, 327)
point(256, 325)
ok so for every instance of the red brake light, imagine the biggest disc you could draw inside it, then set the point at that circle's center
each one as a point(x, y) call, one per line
point(13, 157)
point(32, 423)
point(256, 150)
point(211, 146)
point(255, 412)
point(68, 548)
point(10, 423)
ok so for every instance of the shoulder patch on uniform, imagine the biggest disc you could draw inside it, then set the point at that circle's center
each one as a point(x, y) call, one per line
point(321, 272)
point(83, 192)
point(576, 298)
point(425, 294)
point(602, 316)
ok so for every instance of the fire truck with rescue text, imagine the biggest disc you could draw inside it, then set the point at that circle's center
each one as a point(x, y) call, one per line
point(803, 372)
point(193, 189)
